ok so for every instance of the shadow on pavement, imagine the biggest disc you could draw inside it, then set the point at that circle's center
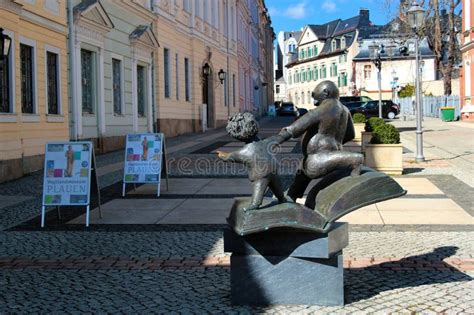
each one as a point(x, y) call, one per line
point(364, 283)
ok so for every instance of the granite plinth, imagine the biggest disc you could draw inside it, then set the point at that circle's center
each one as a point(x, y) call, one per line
point(286, 266)
point(291, 243)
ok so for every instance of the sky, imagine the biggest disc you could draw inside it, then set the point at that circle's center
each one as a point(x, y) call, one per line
point(291, 15)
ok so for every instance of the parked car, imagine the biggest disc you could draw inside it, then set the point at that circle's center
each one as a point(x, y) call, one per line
point(371, 109)
point(300, 112)
point(350, 99)
point(287, 109)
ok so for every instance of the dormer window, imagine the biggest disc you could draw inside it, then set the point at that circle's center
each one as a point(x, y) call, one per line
point(343, 42)
point(333, 45)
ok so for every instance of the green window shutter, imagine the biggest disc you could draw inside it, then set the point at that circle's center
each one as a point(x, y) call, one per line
point(310, 75)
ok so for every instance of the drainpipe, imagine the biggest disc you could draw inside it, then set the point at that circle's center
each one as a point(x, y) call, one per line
point(72, 69)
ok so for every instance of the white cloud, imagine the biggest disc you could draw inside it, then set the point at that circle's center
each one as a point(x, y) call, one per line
point(297, 11)
point(273, 11)
point(329, 6)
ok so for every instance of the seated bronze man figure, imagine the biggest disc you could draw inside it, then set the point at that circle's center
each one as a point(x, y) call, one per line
point(326, 128)
point(257, 155)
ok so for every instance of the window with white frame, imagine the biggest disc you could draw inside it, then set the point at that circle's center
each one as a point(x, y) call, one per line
point(52, 83)
point(367, 71)
point(233, 90)
point(87, 81)
point(343, 42)
point(7, 81)
point(187, 87)
point(177, 75)
point(186, 5)
point(27, 68)
point(141, 90)
point(117, 77)
point(166, 68)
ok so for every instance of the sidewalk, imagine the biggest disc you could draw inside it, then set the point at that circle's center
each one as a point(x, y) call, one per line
point(408, 255)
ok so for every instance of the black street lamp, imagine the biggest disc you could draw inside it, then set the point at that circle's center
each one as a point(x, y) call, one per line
point(221, 75)
point(206, 70)
point(415, 19)
point(5, 43)
point(376, 52)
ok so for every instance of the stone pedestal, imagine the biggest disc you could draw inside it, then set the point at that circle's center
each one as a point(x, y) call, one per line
point(287, 266)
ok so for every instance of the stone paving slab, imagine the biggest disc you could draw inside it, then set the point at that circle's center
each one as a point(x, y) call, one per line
point(418, 186)
point(199, 211)
point(130, 211)
point(177, 186)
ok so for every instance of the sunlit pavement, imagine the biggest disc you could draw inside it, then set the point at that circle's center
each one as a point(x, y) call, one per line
point(412, 254)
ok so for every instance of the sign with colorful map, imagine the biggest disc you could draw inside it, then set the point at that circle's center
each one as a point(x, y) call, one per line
point(143, 159)
point(67, 174)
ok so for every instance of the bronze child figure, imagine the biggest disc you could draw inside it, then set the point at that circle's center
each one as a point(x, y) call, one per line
point(258, 155)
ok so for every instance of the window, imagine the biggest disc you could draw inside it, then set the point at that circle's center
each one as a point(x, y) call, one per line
point(315, 50)
point(186, 6)
point(141, 90)
point(315, 74)
point(187, 95)
point(5, 85)
point(52, 83)
point(342, 58)
point(177, 76)
point(233, 89)
point(310, 74)
point(333, 70)
point(309, 97)
point(297, 77)
point(166, 60)
point(367, 71)
point(277, 89)
point(333, 45)
point(290, 78)
point(117, 85)
point(343, 42)
point(323, 70)
point(27, 93)
point(308, 52)
point(87, 81)
point(303, 74)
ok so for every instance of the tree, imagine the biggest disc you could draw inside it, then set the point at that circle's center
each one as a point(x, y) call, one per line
point(442, 28)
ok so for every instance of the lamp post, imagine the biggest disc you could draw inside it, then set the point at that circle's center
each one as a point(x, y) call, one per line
point(5, 43)
point(376, 52)
point(415, 18)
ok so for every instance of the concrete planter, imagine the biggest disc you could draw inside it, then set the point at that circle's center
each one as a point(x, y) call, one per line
point(387, 158)
point(359, 128)
point(366, 136)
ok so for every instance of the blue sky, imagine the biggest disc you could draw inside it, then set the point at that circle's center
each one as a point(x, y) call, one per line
point(288, 15)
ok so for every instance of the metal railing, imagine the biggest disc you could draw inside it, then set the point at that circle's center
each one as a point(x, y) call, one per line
point(430, 107)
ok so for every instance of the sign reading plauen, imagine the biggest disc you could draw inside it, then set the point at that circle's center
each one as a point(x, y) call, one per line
point(67, 176)
point(143, 159)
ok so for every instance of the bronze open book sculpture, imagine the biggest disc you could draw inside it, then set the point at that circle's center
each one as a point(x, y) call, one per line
point(342, 184)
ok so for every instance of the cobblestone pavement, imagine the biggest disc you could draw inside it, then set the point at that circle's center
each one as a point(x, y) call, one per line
point(131, 269)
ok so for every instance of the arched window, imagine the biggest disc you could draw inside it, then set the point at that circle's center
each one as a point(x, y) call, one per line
point(333, 45)
point(343, 42)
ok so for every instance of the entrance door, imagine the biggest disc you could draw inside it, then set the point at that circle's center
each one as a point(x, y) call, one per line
point(208, 98)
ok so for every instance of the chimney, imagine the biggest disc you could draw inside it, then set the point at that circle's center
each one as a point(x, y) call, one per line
point(364, 19)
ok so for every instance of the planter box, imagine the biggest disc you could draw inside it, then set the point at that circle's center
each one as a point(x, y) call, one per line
point(387, 158)
point(359, 128)
point(366, 137)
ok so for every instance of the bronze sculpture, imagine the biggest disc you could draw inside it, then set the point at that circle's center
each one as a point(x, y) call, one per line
point(258, 155)
point(325, 130)
point(343, 186)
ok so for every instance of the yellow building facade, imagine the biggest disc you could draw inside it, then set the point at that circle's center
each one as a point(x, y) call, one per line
point(34, 102)
point(195, 36)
